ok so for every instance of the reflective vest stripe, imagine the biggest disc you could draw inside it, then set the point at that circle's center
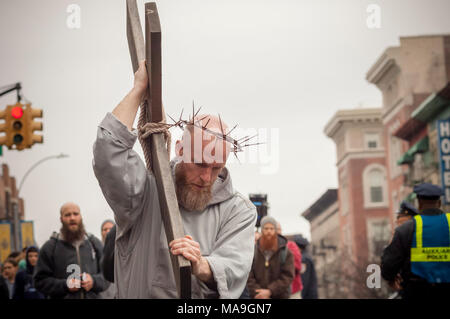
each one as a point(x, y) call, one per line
point(430, 254)
point(448, 222)
point(427, 254)
point(419, 230)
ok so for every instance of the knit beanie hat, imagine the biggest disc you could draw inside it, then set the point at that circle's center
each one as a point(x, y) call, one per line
point(268, 219)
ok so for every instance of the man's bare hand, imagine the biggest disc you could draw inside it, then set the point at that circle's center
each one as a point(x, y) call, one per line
point(396, 284)
point(190, 250)
point(128, 107)
point(141, 79)
point(263, 294)
point(87, 283)
point(73, 284)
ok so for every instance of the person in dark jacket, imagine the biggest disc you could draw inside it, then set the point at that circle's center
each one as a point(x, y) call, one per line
point(406, 212)
point(308, 272)
point(9, 271)
point(108, 255)
point(4, 292)
point(69, 262)
point(24, 284)
point(273, 269)
point(416, 246)
point(108, 230)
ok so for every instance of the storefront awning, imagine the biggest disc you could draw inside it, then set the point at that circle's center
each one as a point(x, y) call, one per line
point(420, 147)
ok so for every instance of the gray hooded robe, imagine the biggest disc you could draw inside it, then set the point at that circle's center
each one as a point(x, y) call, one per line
point(224, 230)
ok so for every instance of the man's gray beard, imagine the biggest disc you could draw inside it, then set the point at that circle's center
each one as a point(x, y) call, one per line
point(72, 236)
point(190, 198)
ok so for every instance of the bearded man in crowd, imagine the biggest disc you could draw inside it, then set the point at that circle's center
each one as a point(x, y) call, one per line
point(273, 268)
point(69, 262)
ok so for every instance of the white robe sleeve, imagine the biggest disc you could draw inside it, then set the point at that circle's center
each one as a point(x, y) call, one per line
point(232, 255)
point(122, 175)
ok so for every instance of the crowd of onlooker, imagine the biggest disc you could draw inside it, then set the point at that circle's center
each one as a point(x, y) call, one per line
point(49, 272)
point(281, 268)
point(17, 270)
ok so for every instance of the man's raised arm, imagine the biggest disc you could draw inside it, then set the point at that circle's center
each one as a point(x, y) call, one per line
point(122, 175)
point(127, 109)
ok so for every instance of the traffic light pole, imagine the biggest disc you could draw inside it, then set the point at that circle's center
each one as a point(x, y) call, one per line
point(13, 87)
point(35, 165)
point(15, 218)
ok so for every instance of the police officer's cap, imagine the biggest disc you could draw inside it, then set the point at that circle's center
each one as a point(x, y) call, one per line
point(428, 191)
point(407, 209)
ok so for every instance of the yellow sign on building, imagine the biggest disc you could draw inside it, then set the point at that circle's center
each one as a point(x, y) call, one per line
point(5, 240)
point(27, 233)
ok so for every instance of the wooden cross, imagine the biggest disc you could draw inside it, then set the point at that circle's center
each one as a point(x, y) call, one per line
point(151, 51)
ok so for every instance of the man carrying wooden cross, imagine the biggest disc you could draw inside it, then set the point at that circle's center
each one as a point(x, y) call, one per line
point(218, 221)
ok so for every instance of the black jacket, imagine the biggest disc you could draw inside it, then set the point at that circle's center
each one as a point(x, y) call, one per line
point(52, 267)
point(309, 277)
point(4, 291)
point(108, 255)
point(24, 285)
point(396, 259)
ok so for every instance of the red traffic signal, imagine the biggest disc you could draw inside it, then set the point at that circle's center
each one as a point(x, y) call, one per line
point(17, 112)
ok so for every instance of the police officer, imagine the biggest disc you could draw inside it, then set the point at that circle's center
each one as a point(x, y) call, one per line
point(420, 249)
point(405, 213)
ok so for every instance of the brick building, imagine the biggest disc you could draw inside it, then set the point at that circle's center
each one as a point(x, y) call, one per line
point(407, 76)
point(362, 180)
point(383, 152)
point(8, 198)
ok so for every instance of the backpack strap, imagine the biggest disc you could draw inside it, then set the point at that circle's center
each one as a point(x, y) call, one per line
point(94, 249)
point(54, 238)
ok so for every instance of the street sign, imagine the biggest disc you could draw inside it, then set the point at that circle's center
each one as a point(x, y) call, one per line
point(443, 128)
point(27, 233)
point(5, 240)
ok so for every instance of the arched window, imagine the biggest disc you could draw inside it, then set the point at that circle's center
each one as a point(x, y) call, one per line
point(374, 179)
point(376, 186)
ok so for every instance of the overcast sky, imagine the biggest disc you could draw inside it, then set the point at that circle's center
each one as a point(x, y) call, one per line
point(281, 67)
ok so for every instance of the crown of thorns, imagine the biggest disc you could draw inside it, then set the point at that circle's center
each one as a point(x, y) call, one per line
point(238, 145)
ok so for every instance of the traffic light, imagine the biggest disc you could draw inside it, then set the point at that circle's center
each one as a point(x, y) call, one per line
point(3, 127)
point(19, 126)
point(260, 201)
point(31, 114)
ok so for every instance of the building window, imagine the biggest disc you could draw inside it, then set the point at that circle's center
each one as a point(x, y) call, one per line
point(376, 186)
point(374, 181)
point(372, 140)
